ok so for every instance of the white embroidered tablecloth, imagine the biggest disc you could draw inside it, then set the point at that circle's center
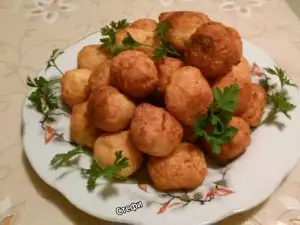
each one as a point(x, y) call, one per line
point(30, 29)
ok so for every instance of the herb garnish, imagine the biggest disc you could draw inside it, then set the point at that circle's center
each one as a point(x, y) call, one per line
point(44, 98)
point(109, 40)
point(165, 48)
point(214, 126)
point(51, 62)
point(278, 100)
point(109, 32)
point(95, 171)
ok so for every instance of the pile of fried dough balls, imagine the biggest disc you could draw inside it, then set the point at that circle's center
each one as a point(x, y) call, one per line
point(111, 111)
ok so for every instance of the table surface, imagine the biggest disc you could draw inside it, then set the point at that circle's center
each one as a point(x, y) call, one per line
point(30, 29)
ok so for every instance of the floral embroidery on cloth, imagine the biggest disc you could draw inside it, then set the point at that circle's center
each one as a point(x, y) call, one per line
point(50, 10)
point(243, 7)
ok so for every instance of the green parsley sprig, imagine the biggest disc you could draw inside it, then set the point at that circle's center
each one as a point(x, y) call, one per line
point(165, 48)
point(44, 98)
point(277, 98)
point(109, 40)
point(214, 126)
point(95, 171)
point(51, 62)
point(109, 32)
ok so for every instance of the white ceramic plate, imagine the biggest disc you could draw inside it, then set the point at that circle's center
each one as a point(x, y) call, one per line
point(253, 177)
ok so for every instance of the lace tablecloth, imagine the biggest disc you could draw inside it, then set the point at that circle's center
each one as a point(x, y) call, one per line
point(30, 29)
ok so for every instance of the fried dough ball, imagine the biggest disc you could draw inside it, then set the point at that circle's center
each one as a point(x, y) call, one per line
point(100, 76)
point(185, 168)
point(183, 25)
point(110, 110)
point(155, 131)
point(106, 147)
point(144, 24)
point(188, 95)
point(83, 131)
point(166, 67)
point(134, 73)
point(75, 86)
point(214, 49)
point(240, 75)
point(141, 36)
point(91, 56)
point(237, 145)
point(256, 106)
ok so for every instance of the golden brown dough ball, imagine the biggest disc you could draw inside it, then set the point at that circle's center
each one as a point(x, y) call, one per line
point(110, 110)
point(237, 145)
point(91, 56)
point(75, 86)
point(214, 49)
point(134, 73)
point(256, 106)
point(144, 24)
point(183, 25)
point(100, 76)
point(188, 95)
point(108, 144)
point(239, 75)
point(155, 131)
point(185, 168)
point(141, 36)
point(166, 67)
point(83, 131)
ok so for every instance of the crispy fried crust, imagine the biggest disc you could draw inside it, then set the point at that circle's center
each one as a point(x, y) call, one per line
point(155, 131)
point(185, 168)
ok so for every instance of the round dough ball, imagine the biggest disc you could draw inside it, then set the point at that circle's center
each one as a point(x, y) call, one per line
point(110, 110)
point(185, 168)
point(106, 147)
point(91, 56)
point(241, 76)
point(134, 73)
point(155, 131)
point(183, 25)
point(214, 49)
point(144, 24)
point(75, 86)
point(256, 107)
point(188, 95)
point(236, 146)
point(83, 131)
point(166, 67)
point(141, 36)
point(100, 76)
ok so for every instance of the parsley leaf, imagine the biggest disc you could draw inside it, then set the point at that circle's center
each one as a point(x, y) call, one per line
point(109, 32)
point(165, 48)
point(228, 99)
point(51, 62)
point(278, 100)
point(64, 159)
point(43, 98)
point(95, 171)
point(127, 44)
point(107, 172)
point(213, 127)
point(108, 40)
